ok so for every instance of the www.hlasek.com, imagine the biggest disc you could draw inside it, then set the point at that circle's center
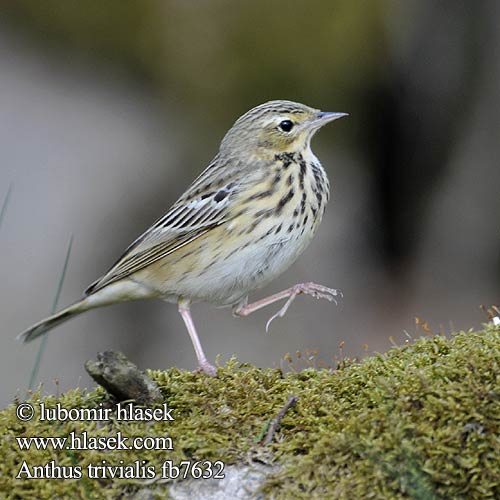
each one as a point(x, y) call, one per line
point(138, 469)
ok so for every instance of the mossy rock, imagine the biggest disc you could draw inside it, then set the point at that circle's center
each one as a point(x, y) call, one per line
point(421, 422)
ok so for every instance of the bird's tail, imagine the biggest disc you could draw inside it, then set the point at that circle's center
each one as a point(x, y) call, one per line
point(55, 320)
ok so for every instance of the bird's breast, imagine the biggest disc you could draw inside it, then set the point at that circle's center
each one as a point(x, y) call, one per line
point(269, 224)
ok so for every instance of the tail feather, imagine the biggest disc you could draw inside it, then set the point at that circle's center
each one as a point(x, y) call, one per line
point(52, 321)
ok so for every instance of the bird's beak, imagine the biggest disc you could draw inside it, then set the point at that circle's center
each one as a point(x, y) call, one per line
point(324, 117)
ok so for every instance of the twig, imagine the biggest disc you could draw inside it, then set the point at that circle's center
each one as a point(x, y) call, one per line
point(276, 421)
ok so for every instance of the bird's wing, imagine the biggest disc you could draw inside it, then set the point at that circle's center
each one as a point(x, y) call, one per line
point(203, 206)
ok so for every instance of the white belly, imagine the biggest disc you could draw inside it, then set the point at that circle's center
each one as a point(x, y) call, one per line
point(231, 279)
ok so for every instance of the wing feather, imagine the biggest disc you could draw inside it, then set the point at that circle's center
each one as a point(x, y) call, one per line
point(191, 216)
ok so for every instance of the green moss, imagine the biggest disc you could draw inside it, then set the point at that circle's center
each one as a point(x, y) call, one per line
point(421, 421)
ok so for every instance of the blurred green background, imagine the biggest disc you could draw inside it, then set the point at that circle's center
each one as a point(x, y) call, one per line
point(109, 109)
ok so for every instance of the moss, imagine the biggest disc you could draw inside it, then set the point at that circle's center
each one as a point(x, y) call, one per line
point(421, 421)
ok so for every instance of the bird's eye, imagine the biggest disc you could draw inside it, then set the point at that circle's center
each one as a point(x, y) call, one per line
point(286, 125)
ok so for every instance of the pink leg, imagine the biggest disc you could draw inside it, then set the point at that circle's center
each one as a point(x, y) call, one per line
point(203, 363)
point(316, 291)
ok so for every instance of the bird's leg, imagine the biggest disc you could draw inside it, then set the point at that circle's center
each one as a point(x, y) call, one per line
point(203, 362)
point(313, 289)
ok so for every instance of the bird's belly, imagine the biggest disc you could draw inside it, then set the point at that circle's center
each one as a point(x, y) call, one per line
point(253, 267)
point(223, 274)
point(248, 269)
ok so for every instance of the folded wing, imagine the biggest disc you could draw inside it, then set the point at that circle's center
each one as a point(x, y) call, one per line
point(203, 206)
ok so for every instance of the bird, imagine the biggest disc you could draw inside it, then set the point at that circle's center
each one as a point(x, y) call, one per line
point(242, 222)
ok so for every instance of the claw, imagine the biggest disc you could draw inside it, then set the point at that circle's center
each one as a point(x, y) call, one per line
point(269, 321)
point(282, 311)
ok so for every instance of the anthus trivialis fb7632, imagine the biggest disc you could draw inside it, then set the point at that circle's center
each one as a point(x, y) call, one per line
point(242, 222)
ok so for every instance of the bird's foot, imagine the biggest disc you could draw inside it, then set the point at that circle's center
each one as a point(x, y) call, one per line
point(207, 368)
point(310, 288)
point(313, 289)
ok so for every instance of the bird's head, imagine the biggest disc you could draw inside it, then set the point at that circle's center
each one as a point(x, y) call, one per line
point(276, 127)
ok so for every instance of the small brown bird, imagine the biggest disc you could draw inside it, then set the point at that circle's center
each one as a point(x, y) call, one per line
point(241, 223)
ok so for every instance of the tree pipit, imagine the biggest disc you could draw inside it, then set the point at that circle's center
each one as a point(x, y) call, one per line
point(241, 223)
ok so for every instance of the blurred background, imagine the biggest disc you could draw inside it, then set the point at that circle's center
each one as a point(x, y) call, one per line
point(109, 109)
